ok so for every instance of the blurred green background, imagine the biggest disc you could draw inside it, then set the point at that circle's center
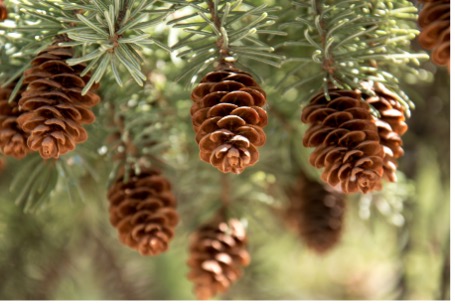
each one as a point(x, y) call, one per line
point(395, 243)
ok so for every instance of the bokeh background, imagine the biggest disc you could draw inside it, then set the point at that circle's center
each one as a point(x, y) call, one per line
point(395, 243)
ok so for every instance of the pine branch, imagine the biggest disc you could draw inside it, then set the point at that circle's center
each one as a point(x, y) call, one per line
point(347, 35)
point(232, 27)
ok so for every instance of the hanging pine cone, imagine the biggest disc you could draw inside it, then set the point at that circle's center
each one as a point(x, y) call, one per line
point(217, 257)
point(228, 119)
point(316, 213)
point(434, 20)
point(391, 126)
point(13, 141)
point(144, 211)
point(53, 103)
point(346, 140)
point(3, 11)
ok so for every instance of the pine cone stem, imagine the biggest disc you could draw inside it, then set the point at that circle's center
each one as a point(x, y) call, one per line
point(225, 200)
point(222, 42)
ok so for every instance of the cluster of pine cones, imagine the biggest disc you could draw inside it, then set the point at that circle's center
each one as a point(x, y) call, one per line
point(354, 148)
point(47, 113)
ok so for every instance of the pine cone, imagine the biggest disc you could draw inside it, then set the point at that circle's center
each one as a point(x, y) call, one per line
point(13, 141)
point(316, 213)
point(228, 119)
point(53, 103)
point(217, 256)
point(3, 11)
point(391, 126)
point(346, 140)
point(434, 20)
point(144, 211)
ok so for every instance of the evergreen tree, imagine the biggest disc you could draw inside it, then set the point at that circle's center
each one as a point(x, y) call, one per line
point(158, 119)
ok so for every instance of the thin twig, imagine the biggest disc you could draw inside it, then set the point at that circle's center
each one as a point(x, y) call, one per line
point(224, 196)
point(221, 42)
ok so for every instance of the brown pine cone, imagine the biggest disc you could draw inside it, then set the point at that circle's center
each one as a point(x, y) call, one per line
point(391, 126)
point(3, 11)
point(228, 119)
point(217, 257)
point(346, 140)
point(13, 140)
point(316, 213)
point(53, 103)
point(434, 20)
point(218, 254)
point(144, 211)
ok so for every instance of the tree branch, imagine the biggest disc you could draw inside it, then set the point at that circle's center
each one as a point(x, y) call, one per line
point(221, 43)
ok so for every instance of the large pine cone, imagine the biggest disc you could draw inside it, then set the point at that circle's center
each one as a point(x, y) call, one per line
point(346, 140)
point(53, 103)
point(316, 213)
point(144, 211)
point(3, 11)
point(228, 119)
point(434, 20)
point(218, 255)
point(13, 141)
point(391, 126)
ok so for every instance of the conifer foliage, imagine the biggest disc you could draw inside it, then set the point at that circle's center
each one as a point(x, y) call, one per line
point(67, 64)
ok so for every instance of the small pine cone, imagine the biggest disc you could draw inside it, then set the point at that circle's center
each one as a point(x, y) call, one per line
point(228, 119)
point(434, 20)
point(144, 211)
point(53, 103)
point(316, 213)
point(3, 11)
point(346, 140)
point(217, 257)
point(391, 126)
point(13, 140)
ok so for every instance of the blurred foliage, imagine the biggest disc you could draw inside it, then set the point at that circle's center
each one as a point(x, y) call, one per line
point(395, 242)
